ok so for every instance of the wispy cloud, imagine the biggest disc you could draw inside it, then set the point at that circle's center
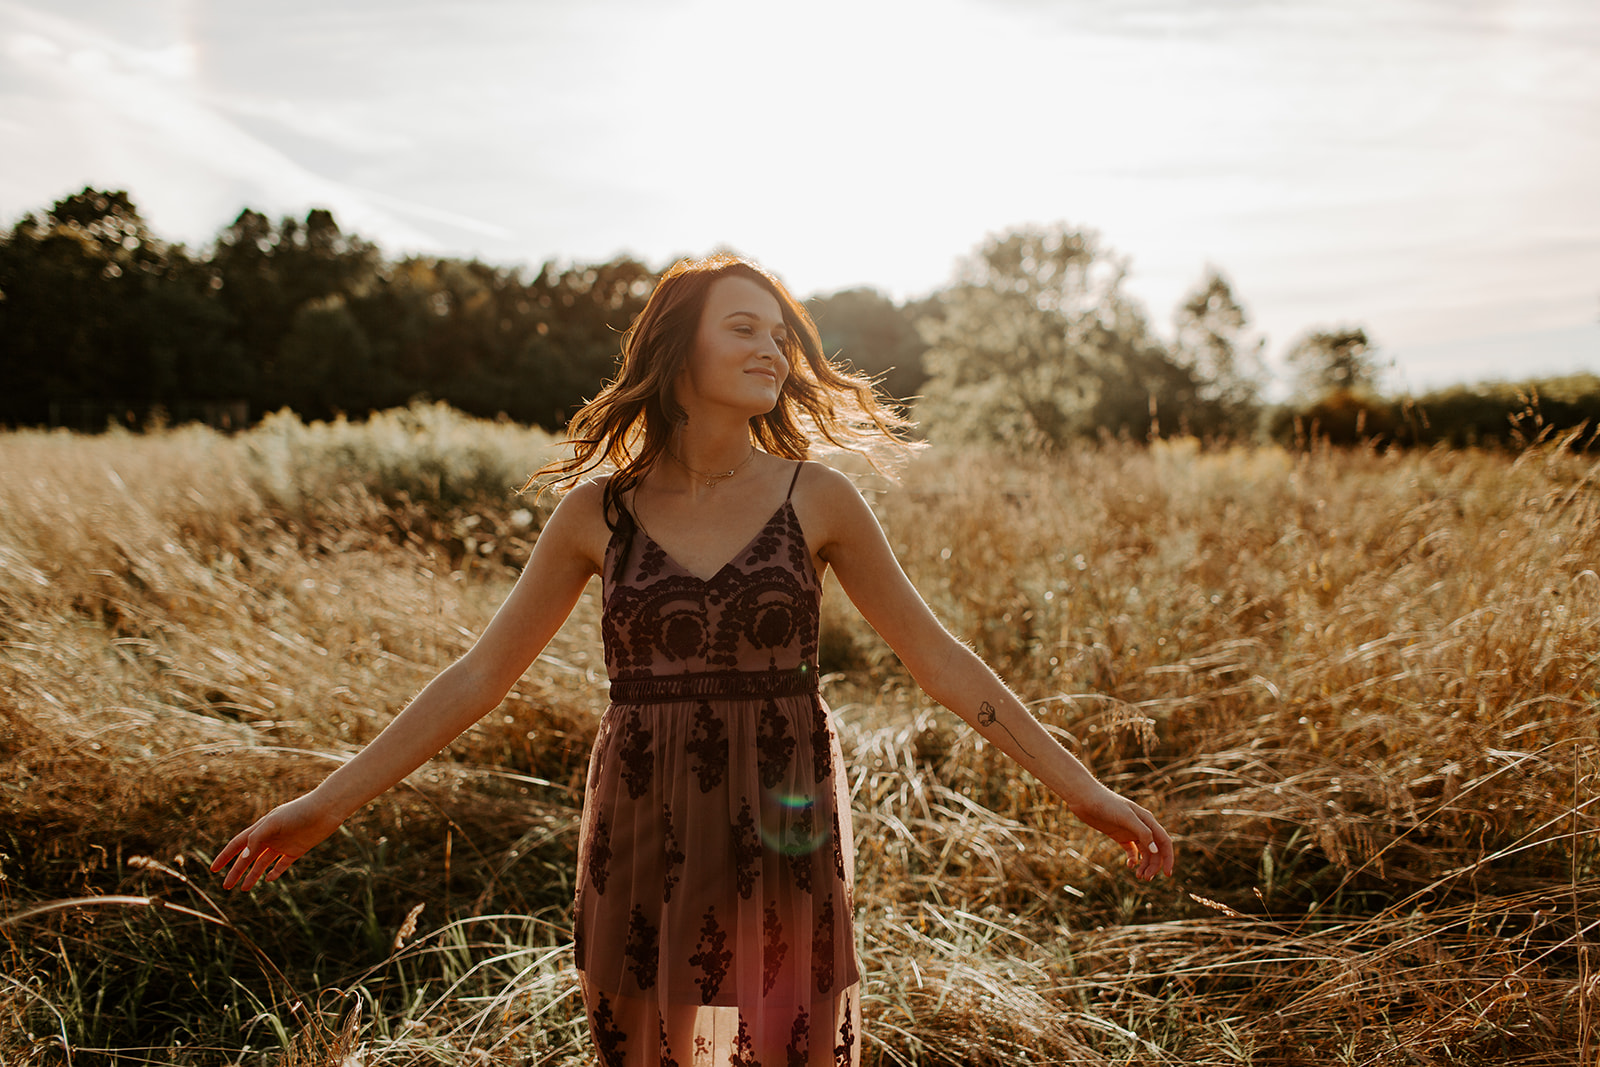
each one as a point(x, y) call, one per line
point(1425, 167)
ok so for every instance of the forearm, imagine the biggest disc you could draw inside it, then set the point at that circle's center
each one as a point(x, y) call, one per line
point(963, 683)
point(453, 701)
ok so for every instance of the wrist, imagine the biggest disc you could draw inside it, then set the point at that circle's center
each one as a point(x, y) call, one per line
point(331, 803)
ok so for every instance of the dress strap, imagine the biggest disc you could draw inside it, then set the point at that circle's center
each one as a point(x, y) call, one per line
point(796, 478)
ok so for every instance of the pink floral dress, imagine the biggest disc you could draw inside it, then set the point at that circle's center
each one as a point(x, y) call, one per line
point(715, 866)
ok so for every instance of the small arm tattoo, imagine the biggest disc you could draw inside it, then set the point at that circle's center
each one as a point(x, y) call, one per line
point(987, 716)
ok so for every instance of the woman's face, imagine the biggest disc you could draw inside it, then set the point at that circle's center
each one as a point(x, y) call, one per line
point(737, 361)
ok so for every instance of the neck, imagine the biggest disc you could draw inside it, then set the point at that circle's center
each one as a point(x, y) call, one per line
point(711, 450)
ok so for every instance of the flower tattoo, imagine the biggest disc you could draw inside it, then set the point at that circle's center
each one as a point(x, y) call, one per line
point(987, 717)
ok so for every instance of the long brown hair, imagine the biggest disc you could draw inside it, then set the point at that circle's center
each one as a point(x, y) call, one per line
point(629, 424)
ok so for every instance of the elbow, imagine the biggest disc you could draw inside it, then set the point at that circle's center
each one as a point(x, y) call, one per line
point(474, 688)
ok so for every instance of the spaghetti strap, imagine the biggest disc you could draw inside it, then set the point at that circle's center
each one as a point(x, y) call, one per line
point(794, 479)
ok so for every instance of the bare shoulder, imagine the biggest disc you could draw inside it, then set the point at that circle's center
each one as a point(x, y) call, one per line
point(579, 522)
point(829, 506)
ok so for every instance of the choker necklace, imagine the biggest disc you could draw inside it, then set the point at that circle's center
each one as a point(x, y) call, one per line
point(713, 477)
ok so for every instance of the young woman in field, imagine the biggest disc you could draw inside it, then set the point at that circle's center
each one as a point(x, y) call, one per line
point(713, 916)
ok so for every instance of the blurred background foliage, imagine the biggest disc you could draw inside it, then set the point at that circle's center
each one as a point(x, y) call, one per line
point(1033, 344)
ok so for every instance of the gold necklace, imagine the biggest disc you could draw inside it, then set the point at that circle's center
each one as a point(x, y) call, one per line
point(712, 478)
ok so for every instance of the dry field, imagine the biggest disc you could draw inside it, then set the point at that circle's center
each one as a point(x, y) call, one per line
point(1360, 689)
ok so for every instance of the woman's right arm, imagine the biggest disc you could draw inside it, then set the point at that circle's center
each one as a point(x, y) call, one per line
point(564, 558)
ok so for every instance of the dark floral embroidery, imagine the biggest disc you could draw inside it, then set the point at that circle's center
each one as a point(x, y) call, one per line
point(799, 552)
point(765, 546)
point(608, 1040)
point(744, 1052)
point(773, 951)
point(800, 1039)
point(709, 745)
point(821, 749)
point(665, 621)
point(651, 560)
point(666, 1056)
point(712, 957)
point(800, 859)
point(844, 1053)
point(642, 948)
point(775, 744)
point(765, 611)
point(600, 855)
point(822, 948)
point(746, 850)
point(637, 763)
point(671, 853)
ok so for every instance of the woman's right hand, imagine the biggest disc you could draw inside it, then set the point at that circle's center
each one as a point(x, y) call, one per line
point(274, 841)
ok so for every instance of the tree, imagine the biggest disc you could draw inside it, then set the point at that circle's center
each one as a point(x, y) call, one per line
point(325, 361)
point(874, 335)
point(1213, 343)
point(580, 314)
point(1335, 360)
point(99, 317)
point(265, 274)
point(1036, 343)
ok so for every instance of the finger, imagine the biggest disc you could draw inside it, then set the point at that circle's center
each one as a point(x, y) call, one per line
point(279, 867)
point(258, 868)
point(232, 849)
point(1169, 851)
point(1161, 854)
point(239, 875)
point(241, 863)
point(1149, 860)
point(1164, 853)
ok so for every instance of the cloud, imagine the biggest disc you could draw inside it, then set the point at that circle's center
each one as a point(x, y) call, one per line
point(105, 112)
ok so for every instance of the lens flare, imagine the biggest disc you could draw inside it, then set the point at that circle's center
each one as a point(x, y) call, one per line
point(789, 823)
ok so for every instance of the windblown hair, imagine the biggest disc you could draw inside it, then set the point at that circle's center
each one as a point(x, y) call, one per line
point(628, 425)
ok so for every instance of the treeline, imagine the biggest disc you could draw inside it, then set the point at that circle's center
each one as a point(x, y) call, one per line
point(101, 318)
point(1034, 342)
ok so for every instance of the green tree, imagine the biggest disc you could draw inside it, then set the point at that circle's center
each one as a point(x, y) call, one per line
point(1335, 360)
point(1036, 343)
point(325, 361)
point(100, 317)
point(874, 335)
point(1214, 343)
point(579, 316)
point(264, 274)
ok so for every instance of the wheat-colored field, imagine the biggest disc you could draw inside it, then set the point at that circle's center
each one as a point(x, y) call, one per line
point(1359, 688)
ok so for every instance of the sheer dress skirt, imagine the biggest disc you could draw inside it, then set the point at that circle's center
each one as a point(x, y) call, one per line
point(713, 920)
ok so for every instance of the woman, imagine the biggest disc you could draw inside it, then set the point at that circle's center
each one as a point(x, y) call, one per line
point(712, 920)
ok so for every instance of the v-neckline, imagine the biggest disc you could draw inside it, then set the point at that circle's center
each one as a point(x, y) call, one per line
point(714, 575)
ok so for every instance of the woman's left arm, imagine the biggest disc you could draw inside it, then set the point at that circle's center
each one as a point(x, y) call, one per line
point(852, 543)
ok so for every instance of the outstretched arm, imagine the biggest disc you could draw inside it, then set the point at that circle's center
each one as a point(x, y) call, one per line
point(853, 544)
point(557, 571)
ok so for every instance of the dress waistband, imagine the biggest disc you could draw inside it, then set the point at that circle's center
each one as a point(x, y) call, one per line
point(714, 685)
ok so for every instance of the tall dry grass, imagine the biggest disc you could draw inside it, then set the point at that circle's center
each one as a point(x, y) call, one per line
point(1361, 689)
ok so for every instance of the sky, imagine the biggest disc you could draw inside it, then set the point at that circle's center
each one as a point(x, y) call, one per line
point(1428, 170)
